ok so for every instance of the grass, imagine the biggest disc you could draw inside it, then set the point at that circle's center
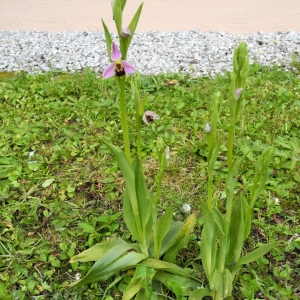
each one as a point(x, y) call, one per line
point(61, 191)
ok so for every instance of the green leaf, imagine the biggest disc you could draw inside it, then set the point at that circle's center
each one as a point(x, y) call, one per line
point(256, 254)
point(142, 279)
point(161, 229)
point(96, 252)
point(117, 11)
point(209, 246)
point(143, 197)
point(222, 283)
point(86, 227)
point(219, 219)
point(129, 217)
point(8, 166)
point(179, 285)
point(129, 260)
point(3, 292)
point(110, 263)
point(123, 3)
point(128, 173)
point(236, 231)
point(171, 236)
point(182, 239)
point(200, 293)
point(108, 40)
point(167, 267)
point(132, 27)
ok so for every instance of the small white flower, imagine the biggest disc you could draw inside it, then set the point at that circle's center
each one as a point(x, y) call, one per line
point(276, 200)
point(207, 128)
point(168, 154)
point(186, 208)
point(31, 153)
point(77, 276)
point(261, 50)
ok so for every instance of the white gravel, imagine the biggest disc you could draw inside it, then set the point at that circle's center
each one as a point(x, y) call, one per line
point(152, 52)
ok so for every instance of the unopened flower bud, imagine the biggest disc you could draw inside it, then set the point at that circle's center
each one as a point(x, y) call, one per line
point(237, 93)
point(207, 128)
point(150, 116)
point(125, 32)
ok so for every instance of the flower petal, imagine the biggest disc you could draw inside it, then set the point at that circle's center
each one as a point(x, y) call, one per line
point(109, 71)
point(115, 52)
point(129, 68)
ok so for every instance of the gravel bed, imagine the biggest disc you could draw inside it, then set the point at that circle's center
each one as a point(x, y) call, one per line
point(152, 52)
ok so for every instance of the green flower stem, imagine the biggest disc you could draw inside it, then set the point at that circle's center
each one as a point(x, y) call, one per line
point(230, 146)
point(209, 194)
point(124, 124)
point(139, 138)
point(158, 187)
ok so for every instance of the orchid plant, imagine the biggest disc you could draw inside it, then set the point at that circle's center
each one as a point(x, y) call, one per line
point(156, 241)
point(223, 234)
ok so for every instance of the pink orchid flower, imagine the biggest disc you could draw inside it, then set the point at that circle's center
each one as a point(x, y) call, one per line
point(118, 67)
point(149, 116)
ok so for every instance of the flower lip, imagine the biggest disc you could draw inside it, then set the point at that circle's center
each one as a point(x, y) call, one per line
point(149, 116)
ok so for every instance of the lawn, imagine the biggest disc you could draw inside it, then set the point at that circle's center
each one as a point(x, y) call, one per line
point(61, 191)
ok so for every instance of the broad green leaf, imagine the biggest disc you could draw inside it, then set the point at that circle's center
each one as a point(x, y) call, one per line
point(209, 246)
point(129, 217)
point(161, 229)
point(142, 195)
point(222, 283)
point(171, 236)
point(219, 219)
point(128, 260)
point(200, 293)
point(167, 267)
point(182, 239)
point(96, 252)
point(128, 173)
point(142, 279)
point(256, 254)
point(133, 288)
point(236, 231)
point(179, 285)
point(108, 40)
point(102, 268)
point(247, 218)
